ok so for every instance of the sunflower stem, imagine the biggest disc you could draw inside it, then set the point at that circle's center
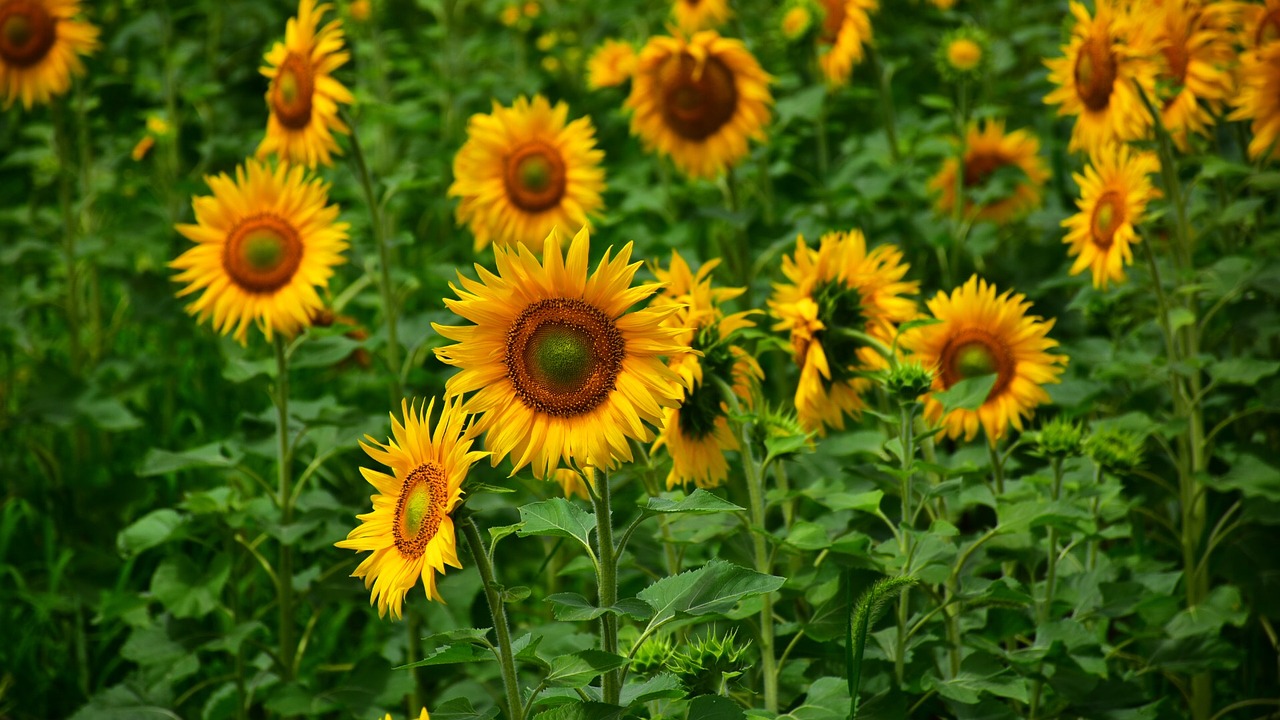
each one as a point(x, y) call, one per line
point(284, 499)
point(884, 76)
point(607, 581)
point(498, 611)
point(1050, 583)
point(62, 142)
point(906, 430)
point(755, 489)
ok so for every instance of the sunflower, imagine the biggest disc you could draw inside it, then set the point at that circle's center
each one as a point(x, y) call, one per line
point(694, 15)
point(304, 95)
point(523, 172)
point(611, 64)
point(575, 483)
point(797, 19)
point(837, 288)
point(40, 45)
point(1108, 53)
point(846, 28)
point(560, 371)
point(264, 242)
point(1114, 193)
point(1196, 52)
point(990, 152)
point(698, 100)
point(410, 530)
point(981, 333)
point(1259, 99)
point(1259, 24)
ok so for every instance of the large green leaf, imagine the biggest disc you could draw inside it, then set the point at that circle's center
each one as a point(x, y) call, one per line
point(967, 394)
point(160, 462)
point(699, 502)
point(662, 686)
point(582, 711)
point(579, 669)
point(557, 517)
point(714, 707)
point(187, 589)
point(461, 709)
point(572, 607)
point(714, 588)
point(155, 528)
point(452, 655)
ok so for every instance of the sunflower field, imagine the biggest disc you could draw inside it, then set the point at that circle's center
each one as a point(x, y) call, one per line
point(662, 359)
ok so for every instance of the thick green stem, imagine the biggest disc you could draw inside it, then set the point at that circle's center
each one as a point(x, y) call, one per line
point(1050, 584)
point(607, 580)
point(755, 489)
point(884, 75)
point(498, 611)
point(284, 499)
point(62, 142)
point(906, 433)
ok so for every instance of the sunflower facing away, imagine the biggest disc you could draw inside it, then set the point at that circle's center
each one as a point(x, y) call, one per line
point(524, 172)
point(410, 530)
point(1114, 192)
point(1259, 99)
point(839, 287)
point(1196, 52)
point(304, 95)
point(40, 45)
point(555, 366)
point(846, 29)
point(990, 151)
point(265, 241)
point(611, 64)
point(694, 15)
point(981, 333)
point(1108, 53)
point(699, 100)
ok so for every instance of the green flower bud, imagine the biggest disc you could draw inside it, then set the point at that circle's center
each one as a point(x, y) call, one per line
point(963, 54)
point(1115, 450)
point(1060, 438)
point(908, 381)
point(653, 656)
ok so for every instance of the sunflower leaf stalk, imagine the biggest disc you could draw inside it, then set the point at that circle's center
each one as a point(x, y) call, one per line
point(284, 500)
point(906, 434)
point(607, 583)
point(498, 611)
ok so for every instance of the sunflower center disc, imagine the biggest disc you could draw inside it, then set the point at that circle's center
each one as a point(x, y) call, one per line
point(1095, 74)
point(1268, 28)
point(964, 54)
point(291, 92)
point(699, 412)
point(832, 20)
point(419, 509)
point(974, 360)
point(564, 356)
point(535, 177)
point(975, 353)
point(1175, 54)
point(697, 100)
point(979, 167)
point(262, 254)
point(27, 31)
point(1108, 216)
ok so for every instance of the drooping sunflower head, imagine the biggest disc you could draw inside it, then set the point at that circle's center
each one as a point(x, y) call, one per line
point(265, 241)
point(1107, 57)
point(982, 333)
point(1114, 192)
point(699, 101)
point(838, 289)
point(846, 29)
point(525, 171)
point(410, 532)
point(555, 366)
point(1002, 178)
point(1259, 100)
point(303, 95)
point(611, 64)
point(694, 15)
point(1197, 51)
point(40, 48)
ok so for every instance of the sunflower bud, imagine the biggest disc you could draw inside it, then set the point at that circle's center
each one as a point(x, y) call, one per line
point(963, 53)
point(1115, 450)
point(908, 381)
point(652, 656)
point(1059, 438)
point(704, 664)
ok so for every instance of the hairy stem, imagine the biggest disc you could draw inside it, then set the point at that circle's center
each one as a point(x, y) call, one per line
point(498, 611)
point(607, 581)
point(284, 499)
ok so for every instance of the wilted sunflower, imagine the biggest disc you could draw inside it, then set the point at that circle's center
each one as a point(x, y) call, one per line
point(264, 242)
point(846, 29)
point(1108, 53)
point(560, 371)
point(40, 45)
point(837, 288)
point(523, 172)
point(699, 100)
point(990, 152)
point(1196, 49)
point(1114, 192)
point(1259, 99)
point(694, 15)
point(611, 64)
point(981, 334)
point(304, 95)
point(410, 530)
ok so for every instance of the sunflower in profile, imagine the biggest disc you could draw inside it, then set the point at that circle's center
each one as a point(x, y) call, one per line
point(1196, 53)
point(837, 288)
point(1259, 99)
point(846, 29)
point(697, 434)
point(555, 366)
point(410, 530)
point(694, 15)
point(1114, 192)
point(1108, 53)
point(980, 334)
point(304, 95)
point(40, 48)
point(523, 172)
point(991, 153)
point(611, 64)
point(265, 241)
point(699, 100)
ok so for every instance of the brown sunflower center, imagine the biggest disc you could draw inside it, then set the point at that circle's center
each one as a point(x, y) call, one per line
point(697, 100)
point(1108, 216)
point(292, 91)
point(1268, 28)
point(419, 509)
point(974, 352)
point(1095, 73)
point(27, 31)
point(262, 254)
point(535, 177)
point(1175, 55)
point(980, 166)
point(832, 20)
point(564, 356)
point(700, 412)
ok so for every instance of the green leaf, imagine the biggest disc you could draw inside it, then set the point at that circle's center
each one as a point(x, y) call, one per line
point(1180, 318)
point(478, 636)
point(777, 446)
point(108, 414)
point(572, 607)
point(714, 588)
point(452, 655)
point(461, 709)
point(699, 502)
point(807, 535)
point(516, 593)
point(828, 699)
point(557, 517)
point(580, 668)
point(1222, 607)
point(186, 588)
point(577, 710)
point(497, 533)
point(1242, 371)
point(1253, 477)
point(663, 686)
point(155, 528)
point(161, 462)
point(968, 394)
point(714, 707)
point(324, 352)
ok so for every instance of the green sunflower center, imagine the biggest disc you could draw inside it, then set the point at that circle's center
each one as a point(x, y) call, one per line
point(1095, 73)
point(291, 92)
point(697, 99)
point(699, 413)
point(974, 360)
point(560, 357)
point(975, 352)
point(27, 32)
point(564, 356)
point(264, 249)
point(262, 254)
point(535, 177)
point(419, 509)
point(840, 308)
point(1108, 216)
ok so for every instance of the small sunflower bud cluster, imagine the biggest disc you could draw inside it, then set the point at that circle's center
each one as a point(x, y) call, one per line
point(1060, 438)
point(705, 663)
point(1114, 449)
point(907, 381)
point(652, 657)
point(963, 53)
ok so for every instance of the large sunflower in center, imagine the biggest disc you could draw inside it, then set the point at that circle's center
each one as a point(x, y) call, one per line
point(523, 172)
point(560, 371)
point(699, 100)
point(40, 45)
point(846, 29)
point(989, 152)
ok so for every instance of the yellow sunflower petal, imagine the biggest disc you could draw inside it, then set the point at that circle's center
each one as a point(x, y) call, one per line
point(40, 48)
